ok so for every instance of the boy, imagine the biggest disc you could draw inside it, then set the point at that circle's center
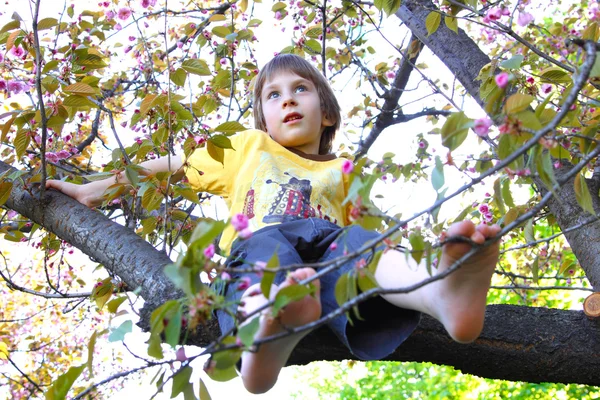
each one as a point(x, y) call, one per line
point(283, 179)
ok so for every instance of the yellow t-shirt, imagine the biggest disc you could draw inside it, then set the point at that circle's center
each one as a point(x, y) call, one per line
point(269, 183)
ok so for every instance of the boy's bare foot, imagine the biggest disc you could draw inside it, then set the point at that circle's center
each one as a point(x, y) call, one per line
point(458, 301)
point(261, 368)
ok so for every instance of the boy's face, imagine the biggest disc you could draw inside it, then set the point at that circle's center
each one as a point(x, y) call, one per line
point(292, 111)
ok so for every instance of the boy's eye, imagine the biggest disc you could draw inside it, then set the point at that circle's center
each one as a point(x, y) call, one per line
point(301, 88)
point(273, 95)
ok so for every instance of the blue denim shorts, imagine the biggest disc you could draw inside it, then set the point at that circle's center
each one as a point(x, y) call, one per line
point(384, 326)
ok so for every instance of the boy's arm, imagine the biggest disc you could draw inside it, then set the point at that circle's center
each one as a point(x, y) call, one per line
point(91, 193)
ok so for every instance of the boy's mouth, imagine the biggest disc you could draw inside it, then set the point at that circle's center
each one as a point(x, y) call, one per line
point(292, 117)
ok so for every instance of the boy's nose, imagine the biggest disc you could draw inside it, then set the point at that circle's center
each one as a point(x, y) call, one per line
point(289, 101)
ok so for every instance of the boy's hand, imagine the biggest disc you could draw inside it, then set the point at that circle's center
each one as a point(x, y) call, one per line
point(85, 194)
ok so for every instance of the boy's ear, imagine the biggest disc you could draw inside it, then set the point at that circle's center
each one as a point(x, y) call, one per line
point(326, 121)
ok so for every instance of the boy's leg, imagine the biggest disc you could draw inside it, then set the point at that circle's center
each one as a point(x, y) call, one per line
point(457, 301)
point(260, 369)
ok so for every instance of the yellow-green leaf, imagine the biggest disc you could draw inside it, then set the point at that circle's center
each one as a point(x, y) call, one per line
point(555, 75)
point(432, 22)
point(78, 101)
point(5, 190)
point(21, 142)
point(451, 23)
point(14, 24)
point(80, 89)
point(47, 23)
point(179, 76)
point(455, 130)
point(197, 67)
point(61, 386)
point(518, 102)
point(582, 194)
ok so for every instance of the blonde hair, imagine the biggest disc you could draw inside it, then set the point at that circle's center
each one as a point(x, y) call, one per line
point(301, 67)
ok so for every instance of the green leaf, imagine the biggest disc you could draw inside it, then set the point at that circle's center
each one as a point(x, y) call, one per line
point(506, 194)
point(152, 199)
point(47, 23)
point(269, 276)
point(181, 380)
point(118, 334)
point(204, 395)
point(455, 130)
point(528, 232)
point(173, 329)
point(196, 67)
point(535, 269)
point(451, 23)
point(582, 194)
point(114, 304)
point(498, 196)
point(313, 46)
point(215, 152)
point(417, 244)
point(518, 102)
point(230, 127)
point(555, 75)
point(78, 101)
point(21, 142)
point(132, 175)
point(61, 386)
point(366, 280)
point(179, 76)
point(221, 31)
point(221, 141)
point(14, 24)
point(91, 345)
point(432, 22)
point(388, 6)
point(437, 175)
point(50, 66)
point(288, 295)
point(5, 190)
point(205, 233)
point(513, 63)
point(247, 331)
point(341, 289)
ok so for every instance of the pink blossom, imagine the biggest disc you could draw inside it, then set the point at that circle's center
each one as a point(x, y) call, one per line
point(63, 154)
point(3, 85)
point(199, 140)
point(546, 88)
point(51, 157)
point(333, 246)
point(223, 61)
point(118, 27)
point(484, 209)
point(124, 13)
point(502, 80)
point(180, 354)
point(278, 15)
point(488, 216)
point(482, 126)
point(145, 3)
point(17, 87)
point(245, 233)
point(390, 74)
point(244, 283)
point(530, 80)
point(347, 167)
point(1, 57)
point(109, 14)
point(239, 222)
point(179, 44)
point(17, 51)
point(494, 13)
point(524, 18)
point(209, 251)
point(225, 276)
point(11, 214)
point(260, 265)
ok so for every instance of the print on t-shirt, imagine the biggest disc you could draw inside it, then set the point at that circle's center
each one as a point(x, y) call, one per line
point(285, 196)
